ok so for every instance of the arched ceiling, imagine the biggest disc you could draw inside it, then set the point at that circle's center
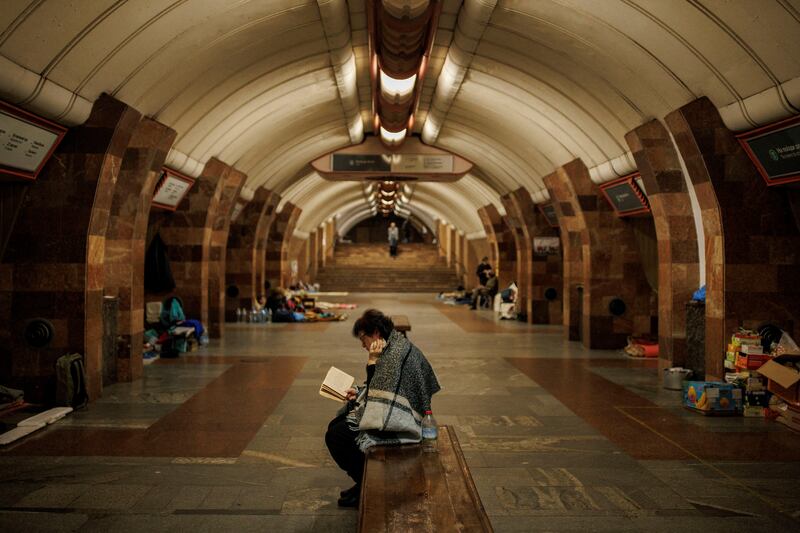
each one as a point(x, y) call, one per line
point(519, 87)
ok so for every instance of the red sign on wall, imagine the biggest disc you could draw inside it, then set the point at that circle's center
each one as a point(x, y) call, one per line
point(26, 142)
point(171, 188)
point(625, 196)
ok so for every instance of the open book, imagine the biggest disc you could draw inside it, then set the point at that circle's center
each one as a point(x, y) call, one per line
point(336, 384)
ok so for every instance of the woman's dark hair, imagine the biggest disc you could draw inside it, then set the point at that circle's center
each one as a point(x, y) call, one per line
point(371, 321)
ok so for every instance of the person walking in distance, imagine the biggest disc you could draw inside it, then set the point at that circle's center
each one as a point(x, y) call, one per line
point(394, 238)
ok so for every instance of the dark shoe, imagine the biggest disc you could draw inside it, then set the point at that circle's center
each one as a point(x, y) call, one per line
point(346, 492)
point(351, 500)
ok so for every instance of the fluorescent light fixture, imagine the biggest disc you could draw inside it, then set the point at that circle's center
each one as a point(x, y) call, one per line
point(395, 89)
point(390, 137)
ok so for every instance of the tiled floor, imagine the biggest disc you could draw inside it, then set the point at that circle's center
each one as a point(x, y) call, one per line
point(557, 437)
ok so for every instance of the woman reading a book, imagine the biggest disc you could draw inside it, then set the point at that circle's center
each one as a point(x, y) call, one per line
point(388, 409)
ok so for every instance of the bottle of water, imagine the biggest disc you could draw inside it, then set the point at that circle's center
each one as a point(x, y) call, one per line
point(430, 432)
point(239, 314)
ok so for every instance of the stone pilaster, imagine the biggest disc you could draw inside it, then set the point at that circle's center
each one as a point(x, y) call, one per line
point(611, 266)
point(679, 268)
point(280, 236)
point(522, 244)
point(187, 234)
point(751, 237)
point(217, 254)
point(53, 265)
point(542, 272)
point(502, 247)
point(126, 235)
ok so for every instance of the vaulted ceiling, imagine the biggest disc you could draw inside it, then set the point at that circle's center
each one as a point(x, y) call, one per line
point(519, 87)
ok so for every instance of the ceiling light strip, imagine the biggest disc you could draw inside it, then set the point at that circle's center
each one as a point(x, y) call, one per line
point(335, 19)
point(472, 22)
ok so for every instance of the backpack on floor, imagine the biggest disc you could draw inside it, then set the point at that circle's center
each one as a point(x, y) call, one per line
point(71, 381)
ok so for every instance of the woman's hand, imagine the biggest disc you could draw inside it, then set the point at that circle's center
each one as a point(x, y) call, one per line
point(351, 394)
point(376, 348)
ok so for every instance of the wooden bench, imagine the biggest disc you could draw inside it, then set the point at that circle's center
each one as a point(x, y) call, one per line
point(406, 489)
point(401, 324)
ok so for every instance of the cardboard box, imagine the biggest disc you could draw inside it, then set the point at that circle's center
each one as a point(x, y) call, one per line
point(784, 381)
point(712, 397)
point(750, 361)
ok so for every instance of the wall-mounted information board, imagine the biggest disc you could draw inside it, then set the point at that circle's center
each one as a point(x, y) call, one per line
point(775, 151)
point(625, 196)
point(549, 212)
point(171, 188)
point(26, 142)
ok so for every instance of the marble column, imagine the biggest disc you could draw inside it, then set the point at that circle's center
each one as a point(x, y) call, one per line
point(126, 235)
point(679, 265)
point(280, 236)
point(752, 239)
point(502, 254)
point(187, 234)
point(53, 265)
point(544, 284)
point(242, 256)
point(611, 265)
point(217, 254)
point(522, 242)
point(570, 228)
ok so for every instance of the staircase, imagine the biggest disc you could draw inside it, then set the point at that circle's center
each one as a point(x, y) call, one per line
point(369, 268)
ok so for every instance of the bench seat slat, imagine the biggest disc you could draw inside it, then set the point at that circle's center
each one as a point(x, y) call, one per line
point(406, 489)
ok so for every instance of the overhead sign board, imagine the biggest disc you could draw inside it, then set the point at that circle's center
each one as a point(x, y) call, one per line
point(549, 212)
point(26, 142)
point(625, 196)
point(360, 163)
point(371, 159)
point(775, 151)
point(172, 187)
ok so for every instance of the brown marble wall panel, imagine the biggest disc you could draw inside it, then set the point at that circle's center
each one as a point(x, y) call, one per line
point(491, 238)
point(679, 267)
point(544, 272)
point(524, 253)
point(125, 238)
point(187, 234)
point(280, 234)
point(218, 253)
point(313, 256)
point(262, 237)
point(240, 266)
point(502, 255)
point(53, 266)
point(752, 240)
point(610, 263)
point(570, 228)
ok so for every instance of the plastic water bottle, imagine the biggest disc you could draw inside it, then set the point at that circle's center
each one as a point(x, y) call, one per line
point(430, 432)
point(239, 314)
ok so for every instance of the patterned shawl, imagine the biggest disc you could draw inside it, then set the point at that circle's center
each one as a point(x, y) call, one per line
point(398, 396)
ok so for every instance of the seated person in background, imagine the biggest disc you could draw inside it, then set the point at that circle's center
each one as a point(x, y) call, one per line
point(489, 289)
point(389, 409)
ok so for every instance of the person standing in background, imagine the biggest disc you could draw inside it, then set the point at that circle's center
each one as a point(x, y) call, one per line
point(394, 238)
point(482, 271)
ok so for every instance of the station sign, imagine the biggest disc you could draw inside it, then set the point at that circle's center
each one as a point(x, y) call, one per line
point(171, 188)
point(371, 159)
point(26, 142)
point(625, 196)
point(775, 151)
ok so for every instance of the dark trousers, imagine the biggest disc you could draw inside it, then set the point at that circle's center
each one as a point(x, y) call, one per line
point(341, 442)
point(393, 249)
